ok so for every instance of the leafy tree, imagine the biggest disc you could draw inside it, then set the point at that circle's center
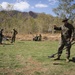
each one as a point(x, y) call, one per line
point(66, 8)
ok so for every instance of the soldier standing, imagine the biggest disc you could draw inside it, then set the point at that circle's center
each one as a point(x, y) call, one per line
point(14, 35)
point(1, 36)
point(67, 33)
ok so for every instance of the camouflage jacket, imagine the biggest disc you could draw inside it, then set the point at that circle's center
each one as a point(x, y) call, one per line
point(67, 31)
point(1, 34)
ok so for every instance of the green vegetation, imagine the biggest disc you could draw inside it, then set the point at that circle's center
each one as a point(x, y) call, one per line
point(27, 22)
point(65, 9)
point(31, 58)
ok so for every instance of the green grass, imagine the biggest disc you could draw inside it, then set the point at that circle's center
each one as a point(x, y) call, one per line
point(31, 58)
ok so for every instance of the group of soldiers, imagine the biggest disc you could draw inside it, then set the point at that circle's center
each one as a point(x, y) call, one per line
point(36, 38)
point(67, 36)
point(12, 38)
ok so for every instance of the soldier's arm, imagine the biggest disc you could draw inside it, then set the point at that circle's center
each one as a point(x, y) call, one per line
point(57, 28)
point(73, 34)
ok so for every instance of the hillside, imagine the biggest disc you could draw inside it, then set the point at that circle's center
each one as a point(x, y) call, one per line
point(27, 22)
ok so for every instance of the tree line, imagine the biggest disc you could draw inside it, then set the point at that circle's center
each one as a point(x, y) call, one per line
point(30, 22)
point(26, 22)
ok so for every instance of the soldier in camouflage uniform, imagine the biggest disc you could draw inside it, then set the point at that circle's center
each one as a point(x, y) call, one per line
point(14, 35)
point(39, 37)
point(1, 36)
point(67, 33)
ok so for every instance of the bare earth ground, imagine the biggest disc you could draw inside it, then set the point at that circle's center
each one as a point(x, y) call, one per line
point(44, 36)
point(33, 67)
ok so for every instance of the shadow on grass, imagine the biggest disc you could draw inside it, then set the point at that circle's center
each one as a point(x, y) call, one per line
point(71, 60)
point(58, 62)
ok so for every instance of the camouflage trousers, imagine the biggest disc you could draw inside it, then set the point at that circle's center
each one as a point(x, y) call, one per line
point(63, 44)
point(13, 39)
point(0, 39)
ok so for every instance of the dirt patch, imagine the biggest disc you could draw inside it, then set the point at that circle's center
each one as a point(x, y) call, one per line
point(69, 72)
point(31, 66)
point(30, 37)
point(34, 67)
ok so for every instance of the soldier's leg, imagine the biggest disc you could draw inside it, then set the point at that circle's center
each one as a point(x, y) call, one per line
point(60, 49)
point(0, 40)
point(68, 51)
point(12, 40)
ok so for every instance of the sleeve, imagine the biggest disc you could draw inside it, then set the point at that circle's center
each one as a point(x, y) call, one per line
point(57, 28)
point(73, 33)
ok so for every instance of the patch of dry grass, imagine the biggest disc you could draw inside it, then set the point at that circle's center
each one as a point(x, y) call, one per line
point(44, 36)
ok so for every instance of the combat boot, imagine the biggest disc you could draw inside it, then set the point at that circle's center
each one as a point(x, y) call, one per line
point(58, 58)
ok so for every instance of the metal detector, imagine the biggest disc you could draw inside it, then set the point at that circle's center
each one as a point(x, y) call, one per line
point(52, 56)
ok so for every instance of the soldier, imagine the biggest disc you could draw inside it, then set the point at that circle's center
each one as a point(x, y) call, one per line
point(35, 38)
point(1, 36)
point(39, 37)
point(67, 36)
point(14, 35)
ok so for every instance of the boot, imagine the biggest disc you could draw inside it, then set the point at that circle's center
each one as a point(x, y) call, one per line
point(57, 59)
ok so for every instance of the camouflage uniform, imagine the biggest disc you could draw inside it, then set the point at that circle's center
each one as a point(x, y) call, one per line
point(14, 36)
point(1, 36)
point(39, 37)
point(67, 31)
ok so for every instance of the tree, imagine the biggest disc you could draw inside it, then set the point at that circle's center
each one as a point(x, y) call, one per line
point(66, 8)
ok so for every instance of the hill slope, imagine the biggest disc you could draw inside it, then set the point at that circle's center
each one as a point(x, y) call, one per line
point(27, 22)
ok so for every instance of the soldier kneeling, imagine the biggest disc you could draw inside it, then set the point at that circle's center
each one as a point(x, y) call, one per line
point(37, 38)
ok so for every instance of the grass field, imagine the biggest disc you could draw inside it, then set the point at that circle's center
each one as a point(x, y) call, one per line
point(31, 58)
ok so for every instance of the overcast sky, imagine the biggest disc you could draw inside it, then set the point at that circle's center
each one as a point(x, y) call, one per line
point(40, 6)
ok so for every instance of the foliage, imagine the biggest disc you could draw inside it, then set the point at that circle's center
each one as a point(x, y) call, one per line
point(27, 22)
point(66, 8)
